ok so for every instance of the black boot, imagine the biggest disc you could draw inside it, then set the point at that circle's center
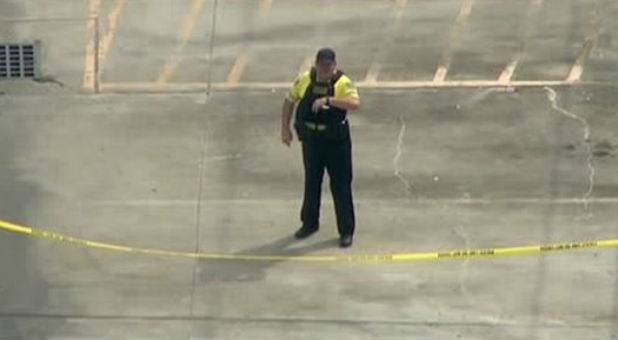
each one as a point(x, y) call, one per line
point(345, 241)
point(305, 232)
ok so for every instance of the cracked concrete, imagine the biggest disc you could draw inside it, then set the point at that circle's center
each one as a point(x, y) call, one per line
point(553, 99)
point(250, 204)
point(407, 185)
point(461, 232)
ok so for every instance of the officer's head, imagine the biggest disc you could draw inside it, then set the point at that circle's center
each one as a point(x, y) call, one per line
point(325, 63)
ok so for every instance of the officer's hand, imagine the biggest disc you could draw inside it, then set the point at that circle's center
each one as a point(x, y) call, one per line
point(286, 136)
point(318, 103)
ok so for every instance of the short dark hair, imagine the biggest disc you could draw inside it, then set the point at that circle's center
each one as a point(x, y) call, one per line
point(325, 55)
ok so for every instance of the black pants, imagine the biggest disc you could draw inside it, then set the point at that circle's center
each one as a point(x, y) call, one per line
point(336, 158)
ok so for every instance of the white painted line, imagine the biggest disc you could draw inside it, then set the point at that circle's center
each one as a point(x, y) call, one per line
point(508, 71)
point(393, 202)
point(453, 40)
point(576, 72)
point(90, 64)
point(594, 26)
point(326, 13)
point(93, 12)
point(197, 87)
point(374, 68)
point(526, 27)
point(242, 59)
point(97, 51)
point(169, 69)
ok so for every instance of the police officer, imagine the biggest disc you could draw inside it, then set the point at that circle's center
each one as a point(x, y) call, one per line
point(322, 97)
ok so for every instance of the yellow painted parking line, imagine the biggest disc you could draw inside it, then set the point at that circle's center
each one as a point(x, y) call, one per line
point(169, 69)
point(112, 27)
point(243, 57)
point(453, 40)
point(265, 4)
point(345, 258)
point(374, 68)
point(509, 70)
point(372, 72)
point(94, 10)
point(239, 67)
point(594, 26)
point(97, 51)
point(526, 28)
point(440, 74)
point(90, 67)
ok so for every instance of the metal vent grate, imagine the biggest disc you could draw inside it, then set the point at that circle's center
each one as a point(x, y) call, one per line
point(18, 61)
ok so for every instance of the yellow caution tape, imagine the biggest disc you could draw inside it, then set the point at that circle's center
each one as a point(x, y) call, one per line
point(401, 257)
